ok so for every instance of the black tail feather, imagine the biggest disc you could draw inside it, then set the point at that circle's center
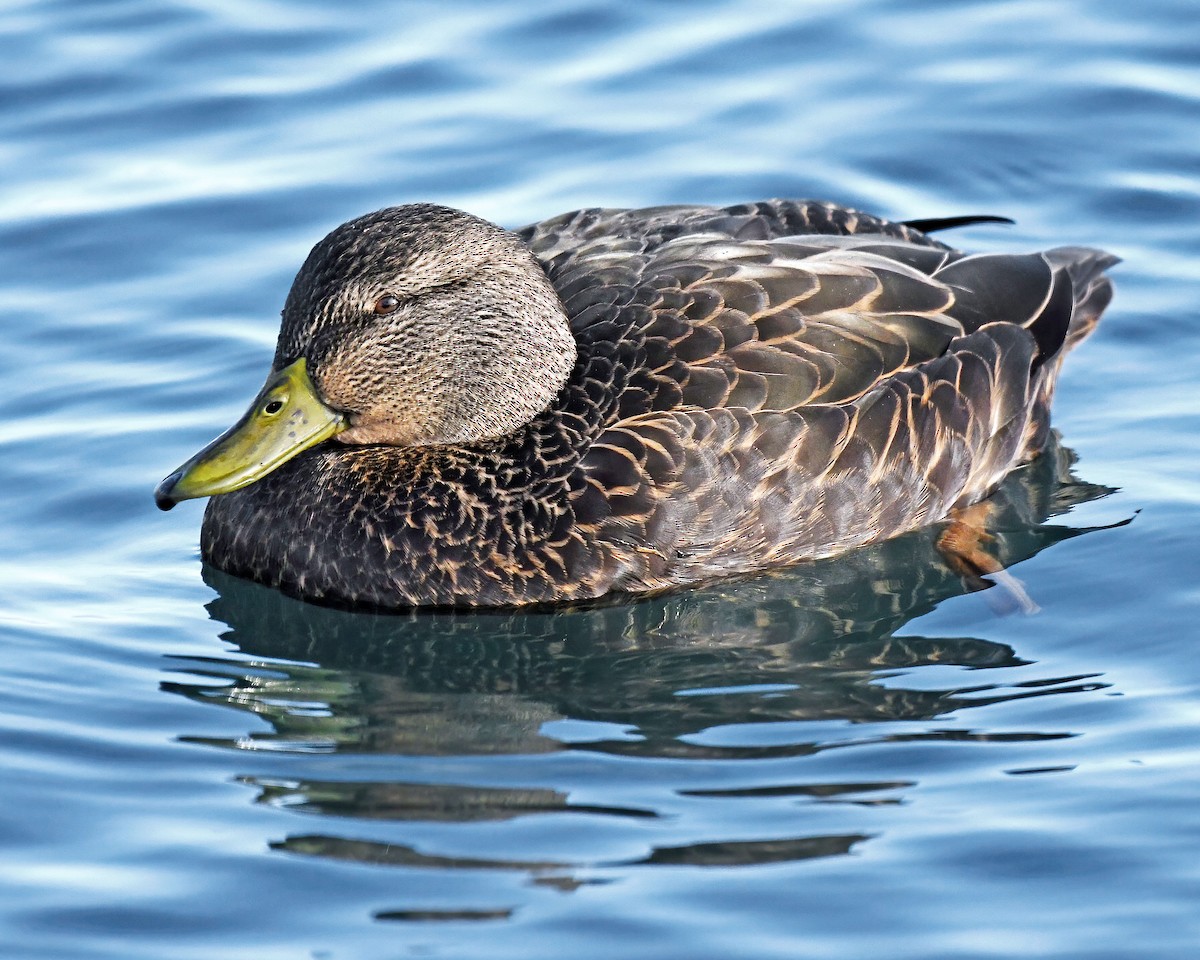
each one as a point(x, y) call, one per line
point(947, 223)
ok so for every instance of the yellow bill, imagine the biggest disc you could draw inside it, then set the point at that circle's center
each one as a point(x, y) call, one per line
point(286, 417)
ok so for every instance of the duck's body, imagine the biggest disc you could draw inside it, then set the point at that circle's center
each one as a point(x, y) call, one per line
point(751, 387)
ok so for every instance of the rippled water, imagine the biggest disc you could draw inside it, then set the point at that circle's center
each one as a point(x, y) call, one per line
point(848, 759)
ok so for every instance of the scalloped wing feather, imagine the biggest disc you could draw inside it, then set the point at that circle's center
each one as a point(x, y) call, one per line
point(732, 490)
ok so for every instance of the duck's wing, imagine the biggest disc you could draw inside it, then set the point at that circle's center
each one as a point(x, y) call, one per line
point(767, 306)
point(710, 322)
point(798, 301)
point(677, 496)
point(790, 398)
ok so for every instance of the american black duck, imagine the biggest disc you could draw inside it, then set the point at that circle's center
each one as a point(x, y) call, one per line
point(628, 400)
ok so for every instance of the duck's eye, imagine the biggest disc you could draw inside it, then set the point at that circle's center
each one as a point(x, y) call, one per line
point(386, 304)
point(273, 408)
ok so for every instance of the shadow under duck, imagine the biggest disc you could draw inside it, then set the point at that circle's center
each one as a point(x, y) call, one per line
point(628, 400)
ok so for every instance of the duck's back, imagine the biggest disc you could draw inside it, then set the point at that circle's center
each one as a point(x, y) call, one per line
point(793, 379)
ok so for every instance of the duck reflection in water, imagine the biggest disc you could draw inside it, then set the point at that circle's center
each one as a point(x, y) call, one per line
point(806, 644)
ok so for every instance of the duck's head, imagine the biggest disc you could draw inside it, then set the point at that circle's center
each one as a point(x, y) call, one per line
point(414, 325)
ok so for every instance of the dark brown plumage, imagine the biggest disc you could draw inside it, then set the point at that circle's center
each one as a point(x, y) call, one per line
point(751, 386)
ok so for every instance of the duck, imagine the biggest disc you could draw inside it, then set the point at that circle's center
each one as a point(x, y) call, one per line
point(619, 402)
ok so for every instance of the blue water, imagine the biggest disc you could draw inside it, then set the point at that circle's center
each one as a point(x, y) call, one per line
point(856, 758)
